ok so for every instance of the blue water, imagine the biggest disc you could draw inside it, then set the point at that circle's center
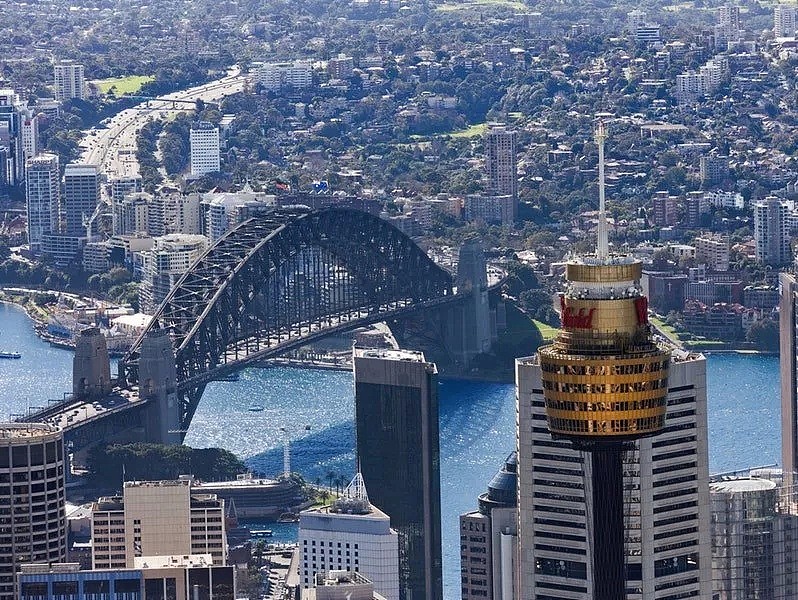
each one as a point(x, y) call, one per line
point(477, 420)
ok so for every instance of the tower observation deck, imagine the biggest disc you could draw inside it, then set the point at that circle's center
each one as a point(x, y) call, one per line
point(605, 385)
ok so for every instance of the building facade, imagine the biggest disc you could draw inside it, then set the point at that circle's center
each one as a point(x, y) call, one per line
point(70, 81)
point(153, 578)
point(351, 535)
point(488, 540)
point(32, 496)
point(396, 419)
point(205, 155)
point(501, 161)
point(161, 266)
point(156, 518)
point(41, 198)
point(752, 540)
point(784, 20)
point(81, 196)
point(667, 536)
point(771, 232)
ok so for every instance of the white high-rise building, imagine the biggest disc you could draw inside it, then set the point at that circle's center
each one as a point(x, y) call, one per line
point(222, 211)
point(41, 198)
point(70, 81)
point(666, 498)
point(162, 266)
point(29, 132)
point(351, 535)
point(784, 21)
point(205, 155)
point(276, 76)
point(771, 231)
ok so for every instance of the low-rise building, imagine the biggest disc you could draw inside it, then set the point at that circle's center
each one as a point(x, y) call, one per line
point(180, 577)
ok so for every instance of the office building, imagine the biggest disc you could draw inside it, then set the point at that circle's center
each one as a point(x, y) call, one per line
point(41, 198)
point(156, 518)
point(162, 265)
point(771, 232)
point(396, 420)
point(351, 535)
point(205, 155)
point(788, 368)
point(70, 81)
point(667, 519)
point(182, 577)
point(81, 197)
point(784, 21)
point(501, 161)
point(488, 539)
point(753, 538)
point(32, 487)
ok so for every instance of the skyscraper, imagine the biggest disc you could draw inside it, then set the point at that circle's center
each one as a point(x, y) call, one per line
point(488, 539)
point(772, 232)
point(70, 81)
point(32, 519)
point(788, 363)
point(396, 417)
point(351, 535)
point(41, 198)
point(81, 196)
point(501, 162)
point(612, 446)
point(205, 156)
point(784, 20)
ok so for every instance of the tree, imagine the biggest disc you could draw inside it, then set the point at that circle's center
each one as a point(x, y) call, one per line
point(764, 335)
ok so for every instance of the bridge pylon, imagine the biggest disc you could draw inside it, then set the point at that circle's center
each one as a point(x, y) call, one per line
point(91, 365)
point(157, 372)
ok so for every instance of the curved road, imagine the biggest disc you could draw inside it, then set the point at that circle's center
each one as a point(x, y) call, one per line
point(113, 147)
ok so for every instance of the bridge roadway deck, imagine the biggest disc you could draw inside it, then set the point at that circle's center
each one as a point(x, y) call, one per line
point(73, 413)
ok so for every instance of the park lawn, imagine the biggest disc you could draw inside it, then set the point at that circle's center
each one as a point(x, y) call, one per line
point(124, 85)
point(472, 132)
point(669, 331)
point(547, 332)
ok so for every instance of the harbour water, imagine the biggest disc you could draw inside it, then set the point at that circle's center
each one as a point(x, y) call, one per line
point(477, 420)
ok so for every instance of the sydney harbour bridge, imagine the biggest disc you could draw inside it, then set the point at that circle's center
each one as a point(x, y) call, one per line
point(273, 283)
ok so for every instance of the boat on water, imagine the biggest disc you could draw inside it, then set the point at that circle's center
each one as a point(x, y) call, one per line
point(255, 408)
point(261, 533)
point(10, 355)
point(288, 517)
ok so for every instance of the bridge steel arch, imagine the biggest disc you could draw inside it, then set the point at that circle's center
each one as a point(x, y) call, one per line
point(281, 280)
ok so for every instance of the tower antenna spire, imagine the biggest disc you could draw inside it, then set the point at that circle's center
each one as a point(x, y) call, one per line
point(602, 243)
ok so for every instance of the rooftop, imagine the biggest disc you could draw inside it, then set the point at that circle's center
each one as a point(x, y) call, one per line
point(411, 355)
point(173, 561)
point(742, 484)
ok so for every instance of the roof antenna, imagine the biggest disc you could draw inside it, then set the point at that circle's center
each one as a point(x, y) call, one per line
point(602, 245)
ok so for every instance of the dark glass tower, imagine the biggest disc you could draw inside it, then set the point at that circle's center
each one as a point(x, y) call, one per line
point(396, 415)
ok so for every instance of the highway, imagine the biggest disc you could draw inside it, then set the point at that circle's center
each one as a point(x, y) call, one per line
point(113, 146)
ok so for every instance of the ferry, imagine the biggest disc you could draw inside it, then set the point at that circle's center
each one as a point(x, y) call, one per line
point(255, 408)
point(10, 355)
point(257, 533)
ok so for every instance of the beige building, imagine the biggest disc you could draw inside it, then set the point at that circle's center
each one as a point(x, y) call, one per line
point(156, 518)
point(714, 251)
